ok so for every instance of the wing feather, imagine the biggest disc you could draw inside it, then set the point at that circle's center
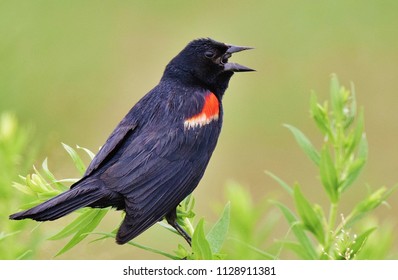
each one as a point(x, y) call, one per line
point(122, 132)
point(163, 168)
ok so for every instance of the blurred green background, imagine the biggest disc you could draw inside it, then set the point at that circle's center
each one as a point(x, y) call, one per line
point(73, 69)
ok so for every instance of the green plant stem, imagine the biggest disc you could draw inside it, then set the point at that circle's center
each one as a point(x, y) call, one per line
point(255, 249)
point(189, 226)
point(331, 224)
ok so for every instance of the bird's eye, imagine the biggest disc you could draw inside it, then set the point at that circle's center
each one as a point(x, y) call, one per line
point(209, 54)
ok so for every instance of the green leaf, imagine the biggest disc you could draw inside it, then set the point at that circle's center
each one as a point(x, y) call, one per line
point(305, 144)
point(34, 183)
point(298, 231)
point(80, 166)
point(355, 168)
point(363, 148)
point(23, 188)
point(320, 115)
point(350, 116)
point(357, 137)
point(308, 215)
point(262, 253)
point(4, 235)
point(241, 211)
point(328, 175)
point(40, 181)
point(361, 240)
point(181, 252)
point(296, 248)
point(189, 202)
point(200, 246)
point(379, 244)
point(80, 222)
point(352, 174)
point(358, 133)
point(371, 202)
point(281, 182)
point(88, 152)
point(51, 176)
point(185, 209)
point(24, 255)
point(83, 232)
point(216, 236)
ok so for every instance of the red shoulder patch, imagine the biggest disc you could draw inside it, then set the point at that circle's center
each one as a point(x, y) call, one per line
point(210, 112)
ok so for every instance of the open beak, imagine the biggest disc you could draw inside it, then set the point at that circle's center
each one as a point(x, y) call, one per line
point(235, 67)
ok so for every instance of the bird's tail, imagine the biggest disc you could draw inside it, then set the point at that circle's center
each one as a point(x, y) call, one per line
point(62, 204)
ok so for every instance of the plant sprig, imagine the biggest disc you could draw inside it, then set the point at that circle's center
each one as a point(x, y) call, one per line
point(340, 161)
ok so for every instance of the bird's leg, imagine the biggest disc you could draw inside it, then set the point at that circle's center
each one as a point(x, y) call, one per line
point(171, 218)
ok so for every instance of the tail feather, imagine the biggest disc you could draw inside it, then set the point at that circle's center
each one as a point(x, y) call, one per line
point(61, 204)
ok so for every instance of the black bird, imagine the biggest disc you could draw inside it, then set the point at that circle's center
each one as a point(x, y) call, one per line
point(158, 153)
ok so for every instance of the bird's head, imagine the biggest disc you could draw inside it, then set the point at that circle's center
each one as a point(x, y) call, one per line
point(206, 62)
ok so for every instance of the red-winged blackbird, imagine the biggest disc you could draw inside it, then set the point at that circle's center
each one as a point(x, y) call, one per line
point(158, 153)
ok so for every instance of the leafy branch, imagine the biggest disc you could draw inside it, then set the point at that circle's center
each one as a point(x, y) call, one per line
point(340, 161)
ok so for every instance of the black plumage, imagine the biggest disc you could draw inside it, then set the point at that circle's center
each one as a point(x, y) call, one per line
point(158, 153)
